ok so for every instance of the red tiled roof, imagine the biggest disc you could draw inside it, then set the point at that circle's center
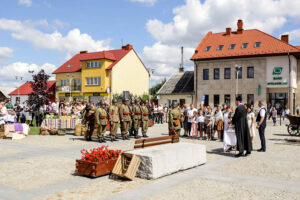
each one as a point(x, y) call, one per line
point(269, 45)
point(26, 89)
point(74, 64)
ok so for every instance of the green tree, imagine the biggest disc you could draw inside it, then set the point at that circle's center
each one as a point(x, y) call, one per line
point(156, 88)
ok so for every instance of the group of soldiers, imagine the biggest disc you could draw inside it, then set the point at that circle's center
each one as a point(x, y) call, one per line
point(130, 117)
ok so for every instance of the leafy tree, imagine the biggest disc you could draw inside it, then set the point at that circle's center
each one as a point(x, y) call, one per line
point(156, 88)
point(39, 95)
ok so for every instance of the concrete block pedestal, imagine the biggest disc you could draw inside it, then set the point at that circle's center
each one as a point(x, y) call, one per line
point(162, 160)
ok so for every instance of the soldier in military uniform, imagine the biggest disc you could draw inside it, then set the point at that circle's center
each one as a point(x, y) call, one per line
point(174, 119)
point(131, 124)
point(89, 121)
point(101, 117)
point(125, 117)
point(137, 118)
point(145, 118)
point(114, 119)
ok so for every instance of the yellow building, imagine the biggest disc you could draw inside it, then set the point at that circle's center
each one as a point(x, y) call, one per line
point(99, 75)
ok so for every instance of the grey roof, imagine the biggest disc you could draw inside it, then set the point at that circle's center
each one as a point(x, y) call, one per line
point(179, 83)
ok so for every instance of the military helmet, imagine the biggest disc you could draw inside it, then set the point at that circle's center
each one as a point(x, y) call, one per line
point(136, 100)
point(125, 99)
point(174, 104)
point(114, 101)
point(132, 101)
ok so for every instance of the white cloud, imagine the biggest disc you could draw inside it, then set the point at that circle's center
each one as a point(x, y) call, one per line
point(8, 74)
point(195, 18)
point(70, 44)
point(27, 3)
point(149, 2)
point(294, 35)
point(6, 52)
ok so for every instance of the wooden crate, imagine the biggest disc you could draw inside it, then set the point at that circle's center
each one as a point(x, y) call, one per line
point(127, 166)
point(1, 131)
point(95, 169)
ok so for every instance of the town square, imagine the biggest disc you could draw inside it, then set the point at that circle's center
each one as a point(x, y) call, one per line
point(150, 99)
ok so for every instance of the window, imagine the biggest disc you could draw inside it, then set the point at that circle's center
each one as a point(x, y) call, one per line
point(250, 72)
point(93, 81)
point(216, 73)
point(240, 95)
point(227, 99)
point(205, 74)
point(64, 83)
point(250, 99)
point(239, 73)
point(207, 48)
point(93, 64)
point(216, 100)
point(18, 99)
point(206, 100)
point(220, 47)
point(257, 44)
point(77, 84)
point(70, 65)
point(244, 45)
point(227, 73)
point(231, 46)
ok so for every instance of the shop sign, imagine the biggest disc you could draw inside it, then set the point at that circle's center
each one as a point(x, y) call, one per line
point(278, 77)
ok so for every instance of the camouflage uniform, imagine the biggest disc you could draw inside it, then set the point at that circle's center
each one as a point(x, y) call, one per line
point(174, 119)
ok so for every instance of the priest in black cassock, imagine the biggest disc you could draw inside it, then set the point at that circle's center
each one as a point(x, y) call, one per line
point(240, 123)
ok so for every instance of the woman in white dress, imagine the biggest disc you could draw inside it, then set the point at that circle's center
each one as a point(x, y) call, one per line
point(251, 121)
point(229, 139)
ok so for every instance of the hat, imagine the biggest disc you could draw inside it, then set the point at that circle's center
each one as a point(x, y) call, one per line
point(174, 104)
point(102, 102)
point(114, 101)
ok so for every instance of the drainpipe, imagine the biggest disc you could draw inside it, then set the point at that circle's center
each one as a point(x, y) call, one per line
point(196, 88)
point(290, 94)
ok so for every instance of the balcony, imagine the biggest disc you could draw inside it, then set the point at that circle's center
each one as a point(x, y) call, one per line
point(73, 88)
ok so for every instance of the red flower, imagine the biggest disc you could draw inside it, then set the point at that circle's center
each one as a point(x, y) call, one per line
point(99, 154)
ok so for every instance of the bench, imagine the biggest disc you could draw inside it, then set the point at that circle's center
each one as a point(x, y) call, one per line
point(141, 143)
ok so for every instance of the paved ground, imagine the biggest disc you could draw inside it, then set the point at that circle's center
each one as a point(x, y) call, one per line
point(42, 167)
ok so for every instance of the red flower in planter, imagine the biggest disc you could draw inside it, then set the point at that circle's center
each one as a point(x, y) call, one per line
point(99, 154)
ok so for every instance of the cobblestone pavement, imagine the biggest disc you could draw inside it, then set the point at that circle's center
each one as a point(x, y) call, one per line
point(42, 167)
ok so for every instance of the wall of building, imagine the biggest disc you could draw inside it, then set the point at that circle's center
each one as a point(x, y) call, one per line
point(95, 72)
point(164, 98)
point(23, 98)
point(223, 86)
point(129, 74)
point(66, 76)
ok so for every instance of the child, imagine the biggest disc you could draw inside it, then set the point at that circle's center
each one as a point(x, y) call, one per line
point(194, 130)
point(201, 124)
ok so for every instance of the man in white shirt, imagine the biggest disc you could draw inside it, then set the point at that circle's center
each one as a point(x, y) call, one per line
point(190, 114)
point(261, 125)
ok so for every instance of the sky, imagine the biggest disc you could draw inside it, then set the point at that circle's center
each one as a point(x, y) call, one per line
point(43, 34)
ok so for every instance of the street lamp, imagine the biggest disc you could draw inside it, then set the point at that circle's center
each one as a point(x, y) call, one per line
point(70, 86)
point(237, 70)
point(151, 71)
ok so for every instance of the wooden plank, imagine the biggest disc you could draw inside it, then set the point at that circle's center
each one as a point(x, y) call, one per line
point(152, 139)
point(155, 143)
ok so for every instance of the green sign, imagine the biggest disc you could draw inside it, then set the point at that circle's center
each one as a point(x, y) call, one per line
point(277, 70)
point(277, 78)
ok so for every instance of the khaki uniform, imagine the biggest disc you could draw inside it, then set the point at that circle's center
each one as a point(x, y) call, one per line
point(125, 119)
point(145, 119)
point(137, 118)
point(131, 127)
point(174, 120)
point(101, 120)
point(114, 120)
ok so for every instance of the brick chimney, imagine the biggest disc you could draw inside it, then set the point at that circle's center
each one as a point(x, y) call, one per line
point(285, 38)
point(228, 31)
point(127, 47)
point(240, 26)
point(81, 52)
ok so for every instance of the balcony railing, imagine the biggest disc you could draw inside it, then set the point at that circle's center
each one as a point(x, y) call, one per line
point(72, 88)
